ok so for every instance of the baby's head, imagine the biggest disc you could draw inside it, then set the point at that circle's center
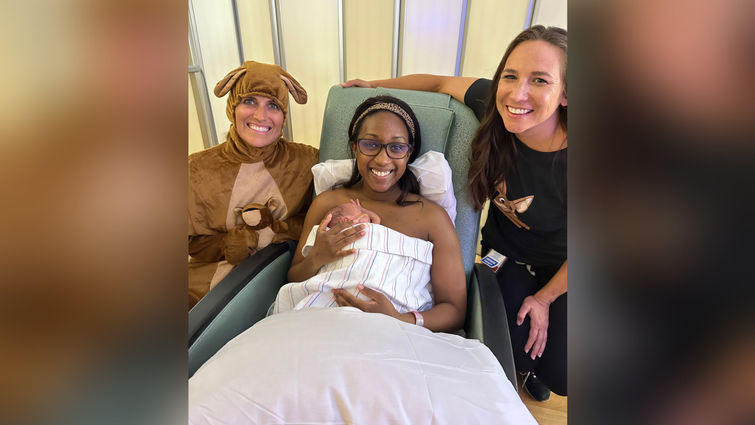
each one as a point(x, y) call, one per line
point(352, 210)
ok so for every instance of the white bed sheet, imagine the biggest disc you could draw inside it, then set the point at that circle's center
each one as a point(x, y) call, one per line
point(344, 366)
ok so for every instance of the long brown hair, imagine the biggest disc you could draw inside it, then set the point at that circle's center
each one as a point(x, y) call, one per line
point(493, 148)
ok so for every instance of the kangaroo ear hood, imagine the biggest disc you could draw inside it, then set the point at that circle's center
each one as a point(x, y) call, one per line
point(259, 79)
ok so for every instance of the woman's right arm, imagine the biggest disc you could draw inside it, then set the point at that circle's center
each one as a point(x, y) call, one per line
point(454, 86)
point(206, 242)
point(207, 248)
point(328, 244)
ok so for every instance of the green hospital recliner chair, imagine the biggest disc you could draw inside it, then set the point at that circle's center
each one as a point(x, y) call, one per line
point(244, 296)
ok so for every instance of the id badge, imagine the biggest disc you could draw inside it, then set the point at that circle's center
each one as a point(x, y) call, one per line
point(494, 260)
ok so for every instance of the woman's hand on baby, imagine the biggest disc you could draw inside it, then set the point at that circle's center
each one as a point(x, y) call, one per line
point(329, 243)
point(538, 311)
point(377, 303)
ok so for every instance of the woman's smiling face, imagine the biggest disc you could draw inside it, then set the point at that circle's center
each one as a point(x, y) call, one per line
point(259, 121)
point(381, 173)
point(531, 89)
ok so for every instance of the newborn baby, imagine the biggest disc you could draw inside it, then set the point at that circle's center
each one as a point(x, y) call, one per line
point(349, 211)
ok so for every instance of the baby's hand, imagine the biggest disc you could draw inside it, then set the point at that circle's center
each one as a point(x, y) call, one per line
point(371, 216)
point(362, 218)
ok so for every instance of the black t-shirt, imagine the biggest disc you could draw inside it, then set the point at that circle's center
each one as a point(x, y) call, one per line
point(541, 174)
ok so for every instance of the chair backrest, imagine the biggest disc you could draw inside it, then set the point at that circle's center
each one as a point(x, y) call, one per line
point(447, 126)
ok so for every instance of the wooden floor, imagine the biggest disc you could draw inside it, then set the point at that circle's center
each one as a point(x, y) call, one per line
point(549, 412)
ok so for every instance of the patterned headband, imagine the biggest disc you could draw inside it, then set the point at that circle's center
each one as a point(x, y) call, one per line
point(388, 107)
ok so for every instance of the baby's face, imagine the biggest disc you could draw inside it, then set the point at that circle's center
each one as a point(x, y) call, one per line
point(346, 212)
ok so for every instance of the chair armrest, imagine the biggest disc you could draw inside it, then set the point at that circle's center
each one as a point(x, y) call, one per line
point(495, 328)
point(211, 304)
point(249, 304)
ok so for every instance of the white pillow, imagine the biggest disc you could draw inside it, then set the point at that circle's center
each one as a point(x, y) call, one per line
point(431, 169)
point(341, 365)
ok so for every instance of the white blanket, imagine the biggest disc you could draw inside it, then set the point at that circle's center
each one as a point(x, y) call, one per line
point(344, 366)
point(386, 260)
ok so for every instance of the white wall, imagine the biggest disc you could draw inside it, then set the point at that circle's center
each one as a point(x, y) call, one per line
point(550, 13)
point(431, 36)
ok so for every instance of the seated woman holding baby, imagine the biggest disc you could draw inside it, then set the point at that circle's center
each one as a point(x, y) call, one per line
point(383, 259)
point(422, 279)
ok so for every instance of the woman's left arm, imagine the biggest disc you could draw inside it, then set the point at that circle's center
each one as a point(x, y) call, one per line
point(537, 306)
point(447, 277)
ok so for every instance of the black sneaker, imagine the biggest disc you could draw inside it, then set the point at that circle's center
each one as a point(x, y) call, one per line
point(535, 387)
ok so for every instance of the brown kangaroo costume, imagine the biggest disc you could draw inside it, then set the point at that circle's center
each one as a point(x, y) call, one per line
point(227, 177)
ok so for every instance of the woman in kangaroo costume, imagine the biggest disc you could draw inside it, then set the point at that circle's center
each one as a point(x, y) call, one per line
point(255, 165)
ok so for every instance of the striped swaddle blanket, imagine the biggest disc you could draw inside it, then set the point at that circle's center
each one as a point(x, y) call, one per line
point(386, 260)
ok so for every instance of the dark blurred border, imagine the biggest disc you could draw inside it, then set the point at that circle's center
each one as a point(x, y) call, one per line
point(660, 185)
point(94, 138)
point(93, 173)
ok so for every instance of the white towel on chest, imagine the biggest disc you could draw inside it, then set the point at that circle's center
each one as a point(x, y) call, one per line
point(386, 260)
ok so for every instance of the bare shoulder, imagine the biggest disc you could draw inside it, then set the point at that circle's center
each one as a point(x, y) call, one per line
point(441, 226)
point(424, 209)
point(432, 219)
point(434, 212)
point(330, 198)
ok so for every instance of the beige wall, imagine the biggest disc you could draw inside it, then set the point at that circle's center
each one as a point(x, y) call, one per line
point(368, 39)
point(310, 42)
point(195, 132)
point(256, 30)
point(311, 52)
point(217, 41)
